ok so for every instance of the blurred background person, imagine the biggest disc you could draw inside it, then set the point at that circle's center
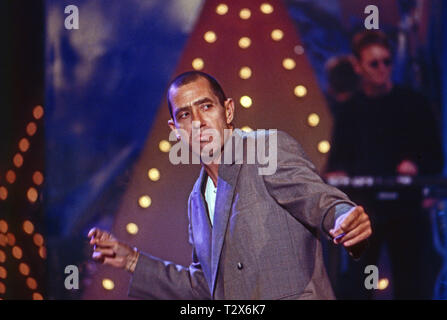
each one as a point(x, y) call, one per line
point(342, 80)
point(386, 130)
point(390, 128)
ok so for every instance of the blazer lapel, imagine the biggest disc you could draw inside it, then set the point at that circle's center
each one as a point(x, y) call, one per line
point(202, 228)
point(226, 184)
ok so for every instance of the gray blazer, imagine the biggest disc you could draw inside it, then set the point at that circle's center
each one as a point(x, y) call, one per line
point(265, 241)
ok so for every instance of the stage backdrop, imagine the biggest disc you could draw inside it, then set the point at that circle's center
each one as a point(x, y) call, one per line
point(106, 82)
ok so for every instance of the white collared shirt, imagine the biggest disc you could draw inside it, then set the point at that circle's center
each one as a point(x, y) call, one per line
point(210, 198)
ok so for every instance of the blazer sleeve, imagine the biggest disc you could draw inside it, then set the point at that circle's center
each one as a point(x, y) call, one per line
point(154, 278)
point(298, 188)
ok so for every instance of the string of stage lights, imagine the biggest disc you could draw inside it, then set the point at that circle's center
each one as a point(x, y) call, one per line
point(20, 243)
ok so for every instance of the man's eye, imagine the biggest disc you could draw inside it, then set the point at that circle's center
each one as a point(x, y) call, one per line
point(184, 115)
point(207, 106)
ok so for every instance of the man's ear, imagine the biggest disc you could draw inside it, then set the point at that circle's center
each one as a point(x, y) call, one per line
point(229, 110)
point(172, 126)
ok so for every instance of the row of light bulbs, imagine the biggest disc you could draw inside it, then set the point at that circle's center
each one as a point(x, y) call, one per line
point(8, 238)
point(18, 160)
point(245, 13)
point(246, 72)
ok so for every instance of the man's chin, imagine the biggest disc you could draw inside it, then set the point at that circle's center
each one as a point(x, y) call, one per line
point(208, 154)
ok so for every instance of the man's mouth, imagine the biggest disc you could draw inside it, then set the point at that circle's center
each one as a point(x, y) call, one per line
point(206, 138)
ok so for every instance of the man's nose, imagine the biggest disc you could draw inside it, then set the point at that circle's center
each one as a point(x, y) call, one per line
point(197, 120)
point(196, 124)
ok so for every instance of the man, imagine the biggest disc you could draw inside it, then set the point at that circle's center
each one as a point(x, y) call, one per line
point(254, 236)
point(384, 129)
point(387, 130)
point(342, 79)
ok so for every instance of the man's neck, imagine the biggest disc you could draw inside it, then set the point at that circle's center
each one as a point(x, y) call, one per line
point(375, 91)
point(212, 170)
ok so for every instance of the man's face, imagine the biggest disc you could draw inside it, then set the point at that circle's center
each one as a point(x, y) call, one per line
point(375, 66)
point(195, 104)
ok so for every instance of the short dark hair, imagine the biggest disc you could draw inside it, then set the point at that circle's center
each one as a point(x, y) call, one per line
point(364, 39)
point(191, 76)
point(341, 74)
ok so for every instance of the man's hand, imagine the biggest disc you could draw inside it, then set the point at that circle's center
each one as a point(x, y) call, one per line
point(335, 174)
point(407, 168)
point(108, 250)
point(354, 228)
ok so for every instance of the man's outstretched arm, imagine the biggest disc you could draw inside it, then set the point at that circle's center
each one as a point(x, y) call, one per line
point(152, 277)
point(297, 187)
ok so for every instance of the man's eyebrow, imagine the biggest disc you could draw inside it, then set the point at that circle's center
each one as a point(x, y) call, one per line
point(202, 100)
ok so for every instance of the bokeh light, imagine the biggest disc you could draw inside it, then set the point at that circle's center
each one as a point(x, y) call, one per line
point(31, 129)
point(32, 194)
point(108, 284)
point(17, 160)
point(11, 239)
point(383, 284)
point(28, 227)
point(3, 273)
point(3, 193)
point(289, 64)
point(42, 252)
point(38, 239)
point(198, 64)
point(164, 146)
point(324, 146)
point(299, 50)
point(266, 8)
point(38, 112)
point(244, 42)
point(245, 73)
point(132, 228)
point(222, 9)
point(210, 36)
point(313, 119)
point(31, 283)
point(38, 178)
point(24, 144)
point(300, 91)
point(245, 14)
point(145, 201)
point(246, 101)
point(3, 226)
point(3, 240)
point(277, 34)
point(37, 296)
point(17, 252)
point(11, 176)
point(153, 174)
point(24, 269)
